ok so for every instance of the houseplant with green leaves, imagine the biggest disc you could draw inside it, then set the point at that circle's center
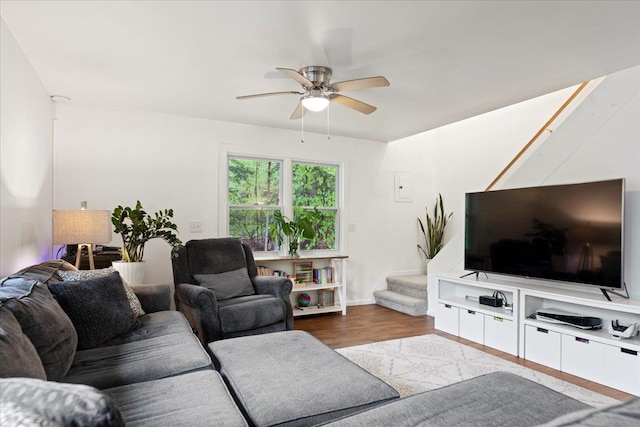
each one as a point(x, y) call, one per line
point(137, 227)
point(433, 233)
point(301, 227)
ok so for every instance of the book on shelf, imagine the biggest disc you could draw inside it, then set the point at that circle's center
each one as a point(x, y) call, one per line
point(266, 271)
point(303, 271)
point(324, 275)
point(326, 297)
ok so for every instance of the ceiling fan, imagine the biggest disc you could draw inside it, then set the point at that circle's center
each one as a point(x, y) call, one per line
point(319, 91)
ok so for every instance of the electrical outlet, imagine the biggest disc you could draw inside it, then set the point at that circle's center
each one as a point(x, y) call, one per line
point(195, 226)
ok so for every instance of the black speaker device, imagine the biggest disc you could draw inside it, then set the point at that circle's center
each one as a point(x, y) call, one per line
point(491, 301)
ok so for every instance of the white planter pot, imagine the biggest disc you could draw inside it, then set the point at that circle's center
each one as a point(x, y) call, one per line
point(131, 272)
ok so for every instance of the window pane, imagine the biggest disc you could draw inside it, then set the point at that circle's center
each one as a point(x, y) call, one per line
point(325, 232)
point(252, 227)
point(254, 182)
point(314, 185)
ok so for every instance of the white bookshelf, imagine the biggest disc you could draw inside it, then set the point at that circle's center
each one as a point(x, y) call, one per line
point(338, 286)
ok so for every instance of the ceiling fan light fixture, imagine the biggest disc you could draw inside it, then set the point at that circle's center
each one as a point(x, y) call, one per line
point(315, 101)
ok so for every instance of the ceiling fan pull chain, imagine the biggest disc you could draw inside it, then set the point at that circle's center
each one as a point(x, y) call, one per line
point(302, 126)
point(328, 122)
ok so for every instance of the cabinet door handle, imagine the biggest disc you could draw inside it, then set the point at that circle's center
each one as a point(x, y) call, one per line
point(447, 306)
point(582, 340)
point(631, 352)
point(544, 331)
point(471, 312)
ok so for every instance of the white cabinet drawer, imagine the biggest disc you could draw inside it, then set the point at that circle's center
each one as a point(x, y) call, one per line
point(447, 318)
point(583, 357)
point(472, 325)
point(501, 334)
point(622, 369)
point(542, 346)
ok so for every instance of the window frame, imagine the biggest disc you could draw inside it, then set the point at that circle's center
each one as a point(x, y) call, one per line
point(286, 200)
point(336, 209)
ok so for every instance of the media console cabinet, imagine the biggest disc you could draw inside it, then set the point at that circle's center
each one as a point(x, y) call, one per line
point(591, 354)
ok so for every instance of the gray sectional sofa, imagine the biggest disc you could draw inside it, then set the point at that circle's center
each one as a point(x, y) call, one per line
point(155, 373)
point(80, 353)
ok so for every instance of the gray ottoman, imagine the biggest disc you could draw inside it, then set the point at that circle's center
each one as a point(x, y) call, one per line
point(291, 378)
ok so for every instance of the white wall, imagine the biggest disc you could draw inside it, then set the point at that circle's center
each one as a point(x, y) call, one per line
point(25, 156)
point(116, 157)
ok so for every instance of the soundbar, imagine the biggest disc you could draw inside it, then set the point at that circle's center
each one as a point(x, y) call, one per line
point(553, 315)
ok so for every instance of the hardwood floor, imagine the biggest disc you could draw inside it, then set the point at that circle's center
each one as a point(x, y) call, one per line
point(365, 324)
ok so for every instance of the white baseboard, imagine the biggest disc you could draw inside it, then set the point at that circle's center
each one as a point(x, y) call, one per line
point(368, 301)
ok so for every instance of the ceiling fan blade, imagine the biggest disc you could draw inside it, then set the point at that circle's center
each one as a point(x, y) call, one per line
point(296, 76)
point(353, 103)
point(258, 95)
point(298, 112)
point(364, 83)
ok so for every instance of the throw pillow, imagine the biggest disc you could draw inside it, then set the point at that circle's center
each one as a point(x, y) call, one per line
point(98, 308)
point(227, 285)
point(46, 271)
point(14, 415)
point(71, 276)
point(56, 404)
point(19, 356)
point(45, 323)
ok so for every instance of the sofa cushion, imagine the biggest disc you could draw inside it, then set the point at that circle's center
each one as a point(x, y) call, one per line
point(229, 284)
point(46, 271)
point(42, 320)
point(620, 414)
point(291, 378)
point(495, 399)
point(73, 276)
point(98, 308)
point(18, 355)
point(197, 398)
point(138, 361)
point(250, 312)
point(152, 325)
point(57, 404)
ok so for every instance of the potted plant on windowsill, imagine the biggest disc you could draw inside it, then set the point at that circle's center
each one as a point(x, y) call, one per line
point(294, 229)
point(137, 227)
point(433, 234)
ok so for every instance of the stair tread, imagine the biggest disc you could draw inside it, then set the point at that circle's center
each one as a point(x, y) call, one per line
point(402, 303)
point(418, 281)
point(399, 298)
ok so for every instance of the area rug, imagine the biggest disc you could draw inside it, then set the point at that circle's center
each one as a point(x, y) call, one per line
point(416, 364)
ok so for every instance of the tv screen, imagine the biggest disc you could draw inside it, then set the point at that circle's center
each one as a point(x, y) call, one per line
point(568, 233)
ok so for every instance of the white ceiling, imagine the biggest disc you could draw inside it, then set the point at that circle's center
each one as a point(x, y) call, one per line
point(446, 60)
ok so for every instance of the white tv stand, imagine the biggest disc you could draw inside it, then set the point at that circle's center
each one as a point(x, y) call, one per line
point(590, 354)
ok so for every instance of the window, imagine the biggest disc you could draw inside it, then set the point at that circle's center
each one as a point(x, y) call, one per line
point(255, 191)
point(315, 186)
point(253, 194)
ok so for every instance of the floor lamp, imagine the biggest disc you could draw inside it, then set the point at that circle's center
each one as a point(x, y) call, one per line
point(83, 227)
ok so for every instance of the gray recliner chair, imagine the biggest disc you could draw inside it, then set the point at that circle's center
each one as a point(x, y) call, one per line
point(218, 289)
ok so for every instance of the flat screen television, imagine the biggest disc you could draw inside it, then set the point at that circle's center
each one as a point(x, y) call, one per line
point(567, 233)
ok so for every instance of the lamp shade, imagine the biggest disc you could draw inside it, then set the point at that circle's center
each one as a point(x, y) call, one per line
point(81, 226)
